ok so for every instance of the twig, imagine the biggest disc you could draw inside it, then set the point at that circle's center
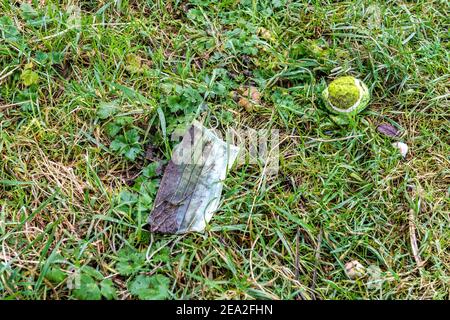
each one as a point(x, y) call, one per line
point(6, 106)
point(297, 263)
point(312, 139)
point(335, 139)
point(413, 239)
point(6, 75)
point(297, 244)
point(316, 264)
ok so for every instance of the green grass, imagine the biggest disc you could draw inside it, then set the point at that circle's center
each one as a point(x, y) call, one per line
point(81, 104)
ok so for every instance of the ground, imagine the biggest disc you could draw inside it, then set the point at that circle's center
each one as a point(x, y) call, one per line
point(90, 93)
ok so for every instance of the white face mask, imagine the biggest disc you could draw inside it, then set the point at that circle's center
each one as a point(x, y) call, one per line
point(192, 183)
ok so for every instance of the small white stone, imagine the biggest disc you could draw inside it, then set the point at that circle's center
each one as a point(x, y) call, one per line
point(402, 147)
point(355, 270)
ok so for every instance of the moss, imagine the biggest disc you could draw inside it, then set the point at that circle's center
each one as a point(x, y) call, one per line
point(343, 92)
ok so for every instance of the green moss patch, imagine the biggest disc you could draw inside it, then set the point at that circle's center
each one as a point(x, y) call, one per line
point(343, 92)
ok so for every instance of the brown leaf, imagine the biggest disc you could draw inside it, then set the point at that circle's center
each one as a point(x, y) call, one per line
point(249, 97)
point(246, 104)
point(253, 94)
point(388, 130)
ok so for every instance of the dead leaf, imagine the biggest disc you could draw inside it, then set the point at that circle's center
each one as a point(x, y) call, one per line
point(246, 104)
point(249, 97)
point(253, 94)
point(388, 130)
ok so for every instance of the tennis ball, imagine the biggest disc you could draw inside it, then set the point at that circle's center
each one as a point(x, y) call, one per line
point(346, 96)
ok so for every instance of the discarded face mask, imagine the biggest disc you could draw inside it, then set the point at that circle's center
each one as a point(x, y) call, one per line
point(190, 189)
